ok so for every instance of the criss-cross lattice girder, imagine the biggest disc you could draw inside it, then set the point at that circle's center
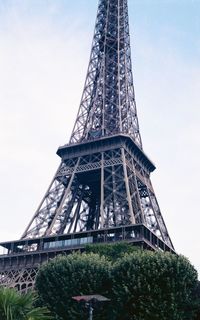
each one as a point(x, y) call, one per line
point(104, 177)
point(108, 102)
point(102, 190)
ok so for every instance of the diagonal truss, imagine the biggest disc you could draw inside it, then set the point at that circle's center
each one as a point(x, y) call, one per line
point(104, 176)
point(108, 102)
point(21, 279)
point(102, 189)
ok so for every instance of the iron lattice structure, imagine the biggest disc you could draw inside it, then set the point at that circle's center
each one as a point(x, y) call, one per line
point(108, 102)
point(103, 181)
point(105, 184)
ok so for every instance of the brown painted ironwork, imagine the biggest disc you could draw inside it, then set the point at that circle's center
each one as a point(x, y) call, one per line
point(103, 181)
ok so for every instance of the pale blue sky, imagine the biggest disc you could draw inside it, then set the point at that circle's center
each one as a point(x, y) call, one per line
point(44, 52)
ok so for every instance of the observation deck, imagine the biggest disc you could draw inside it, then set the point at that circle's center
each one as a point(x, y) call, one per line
point(33, 252)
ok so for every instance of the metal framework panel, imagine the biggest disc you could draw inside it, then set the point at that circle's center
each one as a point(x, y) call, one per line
point(108, 103)
point(100, 187)
point(22, 258)
point(103, 181)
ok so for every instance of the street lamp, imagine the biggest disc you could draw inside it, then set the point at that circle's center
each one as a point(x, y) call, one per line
point(90, 301)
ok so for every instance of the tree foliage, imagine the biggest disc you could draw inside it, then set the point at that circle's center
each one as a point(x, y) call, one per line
point(65, 277)
point(112, 251)
point(196, 300)
point(153, 286)
point(141, 284)
point(14, 306)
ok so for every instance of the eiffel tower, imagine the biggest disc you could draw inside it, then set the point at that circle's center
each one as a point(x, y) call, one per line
point(102, 190)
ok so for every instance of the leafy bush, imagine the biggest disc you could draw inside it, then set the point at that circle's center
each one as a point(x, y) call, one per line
point(141, 284)
point(153, 286)
point(111, 251)
point(65, 277)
